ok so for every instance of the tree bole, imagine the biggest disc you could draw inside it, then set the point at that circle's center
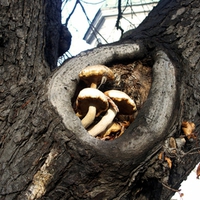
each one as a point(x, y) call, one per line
point(45, 151)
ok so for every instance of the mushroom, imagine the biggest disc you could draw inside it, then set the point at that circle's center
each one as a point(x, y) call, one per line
point(96, 75)
point(90, 103)
point(125, 105)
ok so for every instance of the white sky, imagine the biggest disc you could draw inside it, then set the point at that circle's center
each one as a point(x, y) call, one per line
point(78, 25)
point(190, 188)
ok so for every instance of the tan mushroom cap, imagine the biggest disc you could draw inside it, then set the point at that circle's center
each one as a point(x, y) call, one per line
point(91, 96)
point(125, 104)
point(96, 75)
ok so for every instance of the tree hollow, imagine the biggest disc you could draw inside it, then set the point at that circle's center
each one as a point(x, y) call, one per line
point(152, 121)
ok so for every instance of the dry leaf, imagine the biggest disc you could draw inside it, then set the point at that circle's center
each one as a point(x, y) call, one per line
point(172, 142)
point(169, 162)
point(160, 156)
point(181, 194)
point(188, 128)
point(115, 130)
point(198, 171)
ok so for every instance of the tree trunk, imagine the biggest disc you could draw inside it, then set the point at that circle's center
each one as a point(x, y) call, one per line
point(45, 151)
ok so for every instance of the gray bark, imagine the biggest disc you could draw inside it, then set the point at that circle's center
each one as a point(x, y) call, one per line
point(47, 154)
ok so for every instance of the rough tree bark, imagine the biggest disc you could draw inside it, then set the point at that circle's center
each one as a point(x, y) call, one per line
point(47, 154)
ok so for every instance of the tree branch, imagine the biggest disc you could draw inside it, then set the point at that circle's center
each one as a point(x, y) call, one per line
point(119, 16)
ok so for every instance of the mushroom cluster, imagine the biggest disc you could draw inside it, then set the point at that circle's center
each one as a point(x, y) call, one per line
point(99, 110)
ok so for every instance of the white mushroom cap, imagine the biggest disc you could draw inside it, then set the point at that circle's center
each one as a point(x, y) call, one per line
point(96, 75)
point(90, 103)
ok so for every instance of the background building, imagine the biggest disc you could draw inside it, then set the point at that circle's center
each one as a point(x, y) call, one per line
point(102, 29)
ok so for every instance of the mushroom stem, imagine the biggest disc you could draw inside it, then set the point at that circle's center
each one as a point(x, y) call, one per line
point(105, 121)
point(89, 117)
point(93, 85)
